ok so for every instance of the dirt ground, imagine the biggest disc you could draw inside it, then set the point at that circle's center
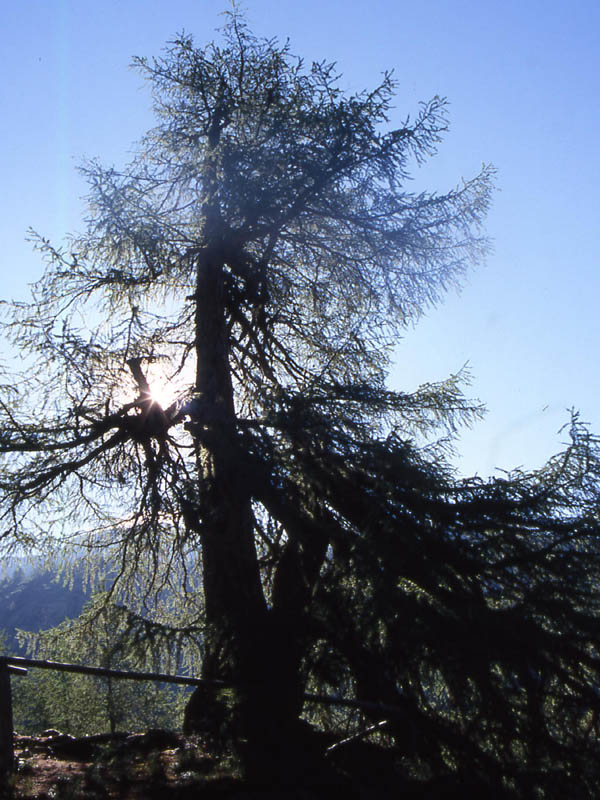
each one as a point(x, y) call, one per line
point(137, 766)
point(157, 765)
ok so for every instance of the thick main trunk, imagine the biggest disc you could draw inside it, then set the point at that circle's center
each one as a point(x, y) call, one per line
point(241, 643)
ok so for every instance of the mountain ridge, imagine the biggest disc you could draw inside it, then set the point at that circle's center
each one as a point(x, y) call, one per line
point(36, 601)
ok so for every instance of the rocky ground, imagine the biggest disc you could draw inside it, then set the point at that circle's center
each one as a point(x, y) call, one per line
point(156, 764)
point(149, 766)
point(162, 765)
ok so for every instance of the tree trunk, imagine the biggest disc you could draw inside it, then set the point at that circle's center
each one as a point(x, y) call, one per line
point(241, 643)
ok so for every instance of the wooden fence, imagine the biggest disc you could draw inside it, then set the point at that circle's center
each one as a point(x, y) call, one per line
point(15, 665)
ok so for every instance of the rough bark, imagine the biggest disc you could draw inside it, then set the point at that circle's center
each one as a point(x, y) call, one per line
point(244, 642)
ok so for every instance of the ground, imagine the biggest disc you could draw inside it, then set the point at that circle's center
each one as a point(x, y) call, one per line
point(149, 766)
point(137, 766)
point(161, 765)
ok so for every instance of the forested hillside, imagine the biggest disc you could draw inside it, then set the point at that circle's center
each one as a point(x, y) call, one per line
point(77, 704)
point(35, 601)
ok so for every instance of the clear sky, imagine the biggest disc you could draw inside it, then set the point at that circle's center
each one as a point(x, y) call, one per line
point(523, 81)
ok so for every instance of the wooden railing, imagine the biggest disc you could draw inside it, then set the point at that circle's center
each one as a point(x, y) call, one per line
point(15, 665)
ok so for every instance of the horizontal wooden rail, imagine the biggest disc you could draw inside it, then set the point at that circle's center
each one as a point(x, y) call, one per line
point(160, 677)
point(102, 672)
point(18, 665)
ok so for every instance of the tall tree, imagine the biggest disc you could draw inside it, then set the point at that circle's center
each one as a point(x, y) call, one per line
point(262, 252)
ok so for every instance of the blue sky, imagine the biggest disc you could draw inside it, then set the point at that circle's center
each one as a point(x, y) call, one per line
point(523, 81)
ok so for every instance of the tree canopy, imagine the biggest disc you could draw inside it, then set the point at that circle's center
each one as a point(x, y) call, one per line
point(262, 254)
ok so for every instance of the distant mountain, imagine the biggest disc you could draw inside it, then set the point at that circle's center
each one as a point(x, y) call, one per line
point(36, 601)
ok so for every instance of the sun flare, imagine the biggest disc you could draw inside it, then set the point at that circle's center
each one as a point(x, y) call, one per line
point(164, 389)
point(163, 395)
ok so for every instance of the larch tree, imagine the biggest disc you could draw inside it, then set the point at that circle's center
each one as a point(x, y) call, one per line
point(261, 255)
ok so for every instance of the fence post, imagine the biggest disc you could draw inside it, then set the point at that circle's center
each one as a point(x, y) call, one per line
point(7, 755)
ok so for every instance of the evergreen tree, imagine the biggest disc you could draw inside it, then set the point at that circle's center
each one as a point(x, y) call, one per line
point(263, 252)
point(103, 635)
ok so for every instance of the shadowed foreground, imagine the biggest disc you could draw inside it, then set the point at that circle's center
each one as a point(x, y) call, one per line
point(159, 764)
